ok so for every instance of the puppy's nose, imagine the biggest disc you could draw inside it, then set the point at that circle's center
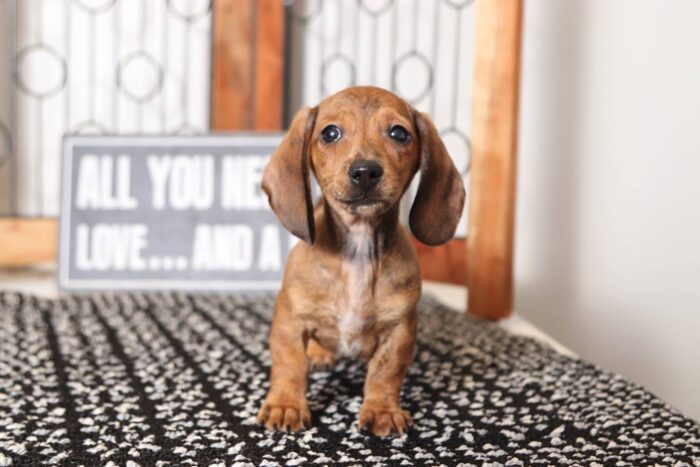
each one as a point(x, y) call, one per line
point(365, 174)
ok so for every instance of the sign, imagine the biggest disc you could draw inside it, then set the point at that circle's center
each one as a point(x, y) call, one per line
point(169, 212)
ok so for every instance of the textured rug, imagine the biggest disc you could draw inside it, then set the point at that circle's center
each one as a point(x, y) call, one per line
point(170, 379)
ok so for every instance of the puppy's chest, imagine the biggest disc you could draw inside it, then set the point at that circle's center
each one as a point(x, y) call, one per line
point(355, 308)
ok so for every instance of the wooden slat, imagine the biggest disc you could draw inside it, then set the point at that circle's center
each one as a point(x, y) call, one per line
point(493, 170)
point(247, 65)
point(444, 263)
point(232, 65)
point(24, 242)
point(269, 65)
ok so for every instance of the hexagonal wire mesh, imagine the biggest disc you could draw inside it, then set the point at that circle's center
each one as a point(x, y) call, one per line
point(93, 67)
point(126, 66)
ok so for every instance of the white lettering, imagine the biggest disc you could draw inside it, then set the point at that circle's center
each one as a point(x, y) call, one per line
point(104, 185)
point(110, 247)
point(158, 168)
point(223, 247)
point(186, 182)
point(88, 189)
point(270, 257)
point(240, 182)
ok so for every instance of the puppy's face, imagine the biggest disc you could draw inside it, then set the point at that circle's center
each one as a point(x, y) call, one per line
point(364, 150)
point(365, 145)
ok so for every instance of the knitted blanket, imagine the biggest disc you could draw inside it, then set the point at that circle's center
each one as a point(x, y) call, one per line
point(175, 379)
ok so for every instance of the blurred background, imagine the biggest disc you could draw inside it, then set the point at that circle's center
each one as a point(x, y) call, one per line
point(145, 67)
point(607, 257)
point(607, 215)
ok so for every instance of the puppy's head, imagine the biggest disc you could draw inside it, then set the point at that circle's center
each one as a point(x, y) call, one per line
point(365, 145)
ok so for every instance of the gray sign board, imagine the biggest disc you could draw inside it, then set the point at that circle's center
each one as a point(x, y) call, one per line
point(175, 212)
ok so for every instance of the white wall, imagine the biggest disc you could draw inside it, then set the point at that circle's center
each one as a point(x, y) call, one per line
point(608, 217)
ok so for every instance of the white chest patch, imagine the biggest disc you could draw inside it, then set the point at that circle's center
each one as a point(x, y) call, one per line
point(358, 276)
point(350, 328)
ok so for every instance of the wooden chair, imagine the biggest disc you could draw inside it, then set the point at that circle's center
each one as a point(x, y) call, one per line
point(249, 35)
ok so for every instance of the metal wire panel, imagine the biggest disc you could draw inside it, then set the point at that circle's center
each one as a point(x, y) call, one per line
point(94, 67)
point(421, 50)
point(7, 34)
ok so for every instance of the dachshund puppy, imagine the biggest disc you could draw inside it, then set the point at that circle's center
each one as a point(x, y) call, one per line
point(351, 289)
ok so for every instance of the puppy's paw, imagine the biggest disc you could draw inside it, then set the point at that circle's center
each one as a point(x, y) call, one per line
point(320, 359)
point(383, 420)
point(284, 415)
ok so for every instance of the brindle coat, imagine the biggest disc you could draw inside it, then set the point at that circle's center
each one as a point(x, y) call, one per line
point(352, 288)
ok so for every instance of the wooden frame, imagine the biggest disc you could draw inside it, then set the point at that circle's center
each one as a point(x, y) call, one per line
point(247, 65)
point(494, 147)
point(24, 242)
point(445, 263)
point(247, 93)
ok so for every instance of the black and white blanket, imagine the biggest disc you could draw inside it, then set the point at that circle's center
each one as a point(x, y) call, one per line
point(173, 379)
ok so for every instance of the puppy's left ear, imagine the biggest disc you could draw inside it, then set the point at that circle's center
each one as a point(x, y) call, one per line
point(286, 179)
point(440, 198)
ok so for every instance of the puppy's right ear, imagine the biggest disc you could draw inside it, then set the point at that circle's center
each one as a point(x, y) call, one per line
point(286, 178)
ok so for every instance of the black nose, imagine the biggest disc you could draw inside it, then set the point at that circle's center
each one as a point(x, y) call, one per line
point(365, 174)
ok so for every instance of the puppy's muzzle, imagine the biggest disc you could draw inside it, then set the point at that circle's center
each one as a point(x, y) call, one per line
point(365, 174)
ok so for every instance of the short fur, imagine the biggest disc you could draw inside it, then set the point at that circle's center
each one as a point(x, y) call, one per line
point(352, 288)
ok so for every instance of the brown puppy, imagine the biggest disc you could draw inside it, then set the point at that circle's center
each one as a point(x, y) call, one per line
point(352, 288)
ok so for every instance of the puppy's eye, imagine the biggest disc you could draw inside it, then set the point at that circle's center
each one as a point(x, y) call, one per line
point(398, 133)
point(331, 134)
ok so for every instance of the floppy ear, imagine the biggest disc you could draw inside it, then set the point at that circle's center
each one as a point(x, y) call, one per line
point(440, 198)
point(286, 177)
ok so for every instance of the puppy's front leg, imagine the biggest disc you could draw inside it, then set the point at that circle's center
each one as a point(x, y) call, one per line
point(381, 409)
point(285, 405)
